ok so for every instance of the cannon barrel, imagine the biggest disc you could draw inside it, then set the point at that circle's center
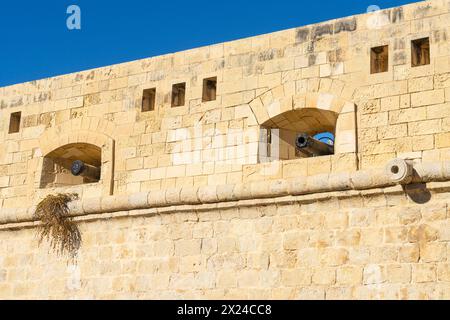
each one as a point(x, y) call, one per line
point(313, 147)
point(79, 168)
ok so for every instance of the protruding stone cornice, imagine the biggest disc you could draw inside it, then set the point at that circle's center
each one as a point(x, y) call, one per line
point(272, 189)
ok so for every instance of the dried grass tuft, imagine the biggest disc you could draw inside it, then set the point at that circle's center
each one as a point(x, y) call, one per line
point(57, 226)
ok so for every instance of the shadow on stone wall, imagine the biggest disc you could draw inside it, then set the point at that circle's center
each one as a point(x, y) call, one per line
point(418, 193)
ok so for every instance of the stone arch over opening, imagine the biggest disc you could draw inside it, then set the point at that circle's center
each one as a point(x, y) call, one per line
point(279, 134)
point(88, 139)
point(57, 165)
point(310, 112)
point(306, 120)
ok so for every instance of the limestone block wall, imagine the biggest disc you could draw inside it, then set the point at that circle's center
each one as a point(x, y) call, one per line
point(361, 245)
point(403, 112)
point(190, 203)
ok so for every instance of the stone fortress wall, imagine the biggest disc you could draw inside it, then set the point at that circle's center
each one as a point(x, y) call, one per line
point(202, 193)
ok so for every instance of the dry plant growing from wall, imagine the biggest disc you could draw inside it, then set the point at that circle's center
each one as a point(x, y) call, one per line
point(57, 226)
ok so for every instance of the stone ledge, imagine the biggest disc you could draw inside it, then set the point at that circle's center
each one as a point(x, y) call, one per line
point(436, 187)
point(210, 197)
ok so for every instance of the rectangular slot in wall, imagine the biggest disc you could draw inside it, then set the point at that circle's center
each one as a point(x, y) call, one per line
point(178, 94)
point(14, 122)
point(420, 52)
point(148, 100)
point(209, 89)
point(269, 143)
point(379, 59)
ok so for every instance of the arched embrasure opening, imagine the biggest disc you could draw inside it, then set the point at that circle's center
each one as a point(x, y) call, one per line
point(298, 134)
point(70, 165)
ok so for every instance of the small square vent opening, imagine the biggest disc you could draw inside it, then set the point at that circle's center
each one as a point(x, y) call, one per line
point(178, 94)
point(420, 55)
point(148, 100)
point(379, 57)
point(209, 89)
point(14, 122)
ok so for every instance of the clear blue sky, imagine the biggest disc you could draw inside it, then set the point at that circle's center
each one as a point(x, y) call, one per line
point(35, 42)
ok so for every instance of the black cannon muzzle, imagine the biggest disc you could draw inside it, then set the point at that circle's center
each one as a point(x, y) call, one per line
point(79, 168)
point(313, 147)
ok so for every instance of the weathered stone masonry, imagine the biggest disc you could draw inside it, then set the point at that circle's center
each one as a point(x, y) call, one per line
point(202, 193)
